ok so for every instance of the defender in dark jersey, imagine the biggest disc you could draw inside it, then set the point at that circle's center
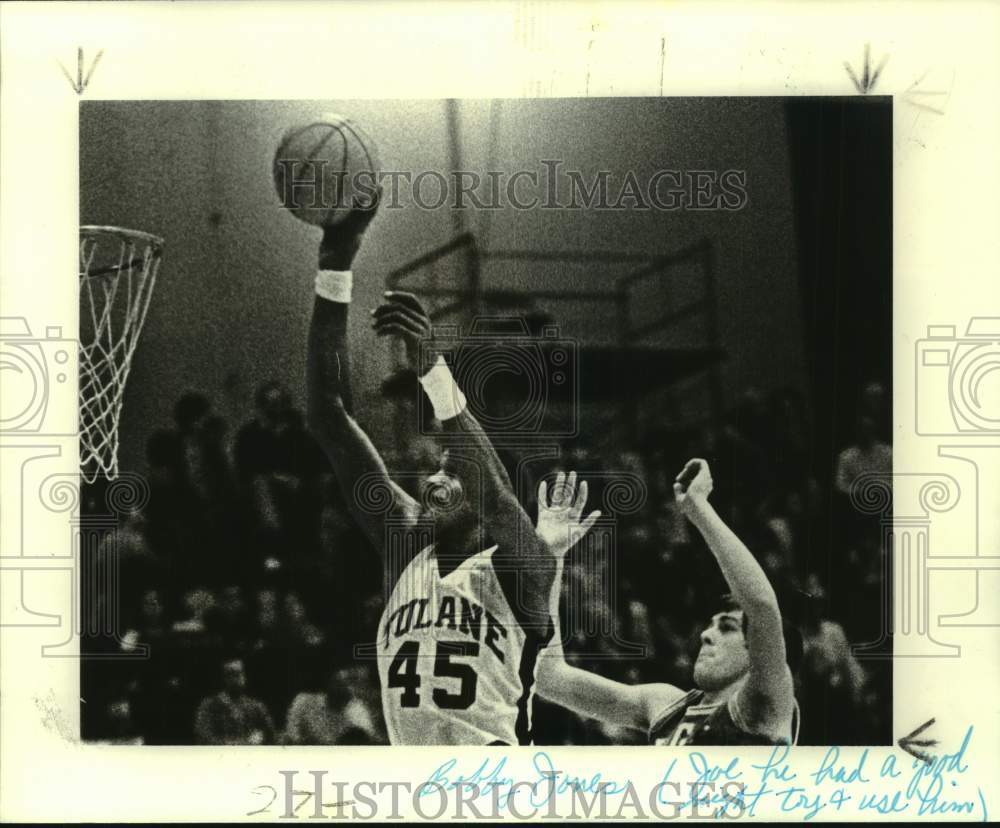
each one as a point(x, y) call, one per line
point(744, 692)
point(470, 579)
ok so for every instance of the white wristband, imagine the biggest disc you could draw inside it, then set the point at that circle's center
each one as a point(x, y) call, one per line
point(442, 390)
point(334, 285)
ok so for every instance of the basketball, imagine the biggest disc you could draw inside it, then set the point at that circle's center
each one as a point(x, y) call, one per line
point(324, 168)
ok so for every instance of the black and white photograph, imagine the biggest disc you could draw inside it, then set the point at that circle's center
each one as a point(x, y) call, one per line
point(531, 410)
point(485, 422)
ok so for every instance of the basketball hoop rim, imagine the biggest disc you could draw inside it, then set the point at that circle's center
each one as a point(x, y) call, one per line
point(114, 299)
point(124, 233)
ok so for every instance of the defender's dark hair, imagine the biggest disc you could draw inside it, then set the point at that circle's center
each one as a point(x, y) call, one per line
point(791, 634)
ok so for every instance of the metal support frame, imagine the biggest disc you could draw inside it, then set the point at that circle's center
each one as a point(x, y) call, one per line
point(469, 296)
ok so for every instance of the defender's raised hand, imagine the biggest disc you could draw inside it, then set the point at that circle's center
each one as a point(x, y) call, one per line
point(693, 485)
point(559, 523)
point(402, 315)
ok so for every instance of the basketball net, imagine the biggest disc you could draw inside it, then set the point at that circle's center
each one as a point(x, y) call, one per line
point(117, 275)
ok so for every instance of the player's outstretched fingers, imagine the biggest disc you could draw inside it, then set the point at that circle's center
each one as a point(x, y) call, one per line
point(393, 328)
point(543, 494)
point(407, 299)
point(589, 521)
point(559, 490)
point(580, 501)
point(401, 320)
point(392, 305)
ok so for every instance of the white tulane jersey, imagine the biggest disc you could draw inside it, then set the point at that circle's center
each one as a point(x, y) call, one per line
point(452, 657)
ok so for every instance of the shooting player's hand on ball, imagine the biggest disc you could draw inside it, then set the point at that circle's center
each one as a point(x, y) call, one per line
point(693, 485)
point(402, 314)
point(559, 523)
point(341, 241)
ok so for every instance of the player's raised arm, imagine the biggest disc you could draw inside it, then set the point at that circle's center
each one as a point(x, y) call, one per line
point(500, 511)
point(351, 453)
point(402, 314)
point(764, 702)
point(560, 526)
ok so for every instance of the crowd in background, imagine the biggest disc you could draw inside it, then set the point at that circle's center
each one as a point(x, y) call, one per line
point(247, 593)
